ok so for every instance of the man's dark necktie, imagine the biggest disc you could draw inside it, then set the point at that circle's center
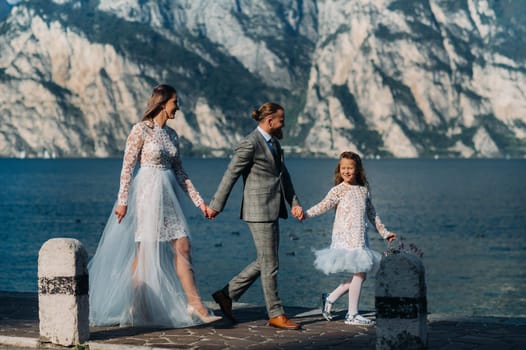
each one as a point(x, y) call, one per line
point(272, 149)
point(272, 144)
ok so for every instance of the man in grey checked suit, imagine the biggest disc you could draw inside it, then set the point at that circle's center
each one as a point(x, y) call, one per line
point(267, 185)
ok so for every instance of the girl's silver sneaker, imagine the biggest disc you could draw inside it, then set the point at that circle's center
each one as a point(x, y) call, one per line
point(357, 320)
point(326, 306)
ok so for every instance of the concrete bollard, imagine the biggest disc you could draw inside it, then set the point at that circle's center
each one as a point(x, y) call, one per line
point(401, 304)
point(63, 304)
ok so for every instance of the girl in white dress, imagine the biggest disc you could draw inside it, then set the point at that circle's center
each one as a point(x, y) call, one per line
point(141, 273)
point(349, 250)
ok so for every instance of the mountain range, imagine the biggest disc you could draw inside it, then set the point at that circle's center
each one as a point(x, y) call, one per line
point(386, 78)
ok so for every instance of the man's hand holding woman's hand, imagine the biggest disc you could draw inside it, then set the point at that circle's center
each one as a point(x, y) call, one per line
point(210, 213)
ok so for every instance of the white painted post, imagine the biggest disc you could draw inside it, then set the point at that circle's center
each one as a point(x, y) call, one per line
point(401, 304)
point(63, 304)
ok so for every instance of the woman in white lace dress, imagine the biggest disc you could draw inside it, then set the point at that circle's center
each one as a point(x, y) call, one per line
point(349, 250)
point(141, 273)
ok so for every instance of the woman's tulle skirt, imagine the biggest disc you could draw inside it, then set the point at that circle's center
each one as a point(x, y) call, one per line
point(334, 260)
point(150, 293)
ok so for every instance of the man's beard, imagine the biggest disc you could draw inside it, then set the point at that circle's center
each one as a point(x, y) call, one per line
point(277, 133)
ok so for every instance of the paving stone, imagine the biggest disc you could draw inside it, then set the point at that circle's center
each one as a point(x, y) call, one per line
point(19, 318)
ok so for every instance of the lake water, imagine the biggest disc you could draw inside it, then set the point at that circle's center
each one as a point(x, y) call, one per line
point(468, 217)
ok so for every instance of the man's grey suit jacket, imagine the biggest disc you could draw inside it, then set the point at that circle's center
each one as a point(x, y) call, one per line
point(267, 182)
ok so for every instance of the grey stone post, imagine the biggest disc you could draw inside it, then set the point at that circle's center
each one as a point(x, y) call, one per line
point(63, 305)
point(401, 304)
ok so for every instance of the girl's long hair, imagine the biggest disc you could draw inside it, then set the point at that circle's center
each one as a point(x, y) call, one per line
point(160, 95)
point(359, 170)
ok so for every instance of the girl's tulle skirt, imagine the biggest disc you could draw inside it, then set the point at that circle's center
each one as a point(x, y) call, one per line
point(132, 274)
point(333, 260)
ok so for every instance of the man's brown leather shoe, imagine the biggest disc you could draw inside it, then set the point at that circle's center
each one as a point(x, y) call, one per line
point(225, 303)
point(283, 322)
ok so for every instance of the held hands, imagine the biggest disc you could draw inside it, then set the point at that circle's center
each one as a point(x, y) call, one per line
point(210, 213)
point(120, 212)
point(297, 212)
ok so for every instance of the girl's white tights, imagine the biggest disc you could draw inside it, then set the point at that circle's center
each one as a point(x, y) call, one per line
point(354, 292)
point(353, 287)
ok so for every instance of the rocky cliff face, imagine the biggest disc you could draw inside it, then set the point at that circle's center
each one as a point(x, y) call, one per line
point(414, 78)
point(388, 78)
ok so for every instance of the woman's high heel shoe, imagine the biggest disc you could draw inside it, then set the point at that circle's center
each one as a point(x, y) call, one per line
point(326, 306)
point(192, 311)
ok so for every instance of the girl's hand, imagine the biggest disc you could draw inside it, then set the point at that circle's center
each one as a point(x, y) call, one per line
point(391, 237)
point(120, 212)
point(297, 212)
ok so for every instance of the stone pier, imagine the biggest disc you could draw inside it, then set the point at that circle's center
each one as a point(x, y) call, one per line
point(63, 292)
point(401, 304)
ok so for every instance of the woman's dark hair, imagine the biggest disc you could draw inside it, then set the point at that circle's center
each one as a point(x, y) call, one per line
point(359, 170)
point(160, 95)
point(266, 109)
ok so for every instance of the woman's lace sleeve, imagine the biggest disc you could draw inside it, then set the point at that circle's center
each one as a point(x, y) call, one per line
point(375, 219)
point(182, 178)
point(131, 153)
point(330, 201)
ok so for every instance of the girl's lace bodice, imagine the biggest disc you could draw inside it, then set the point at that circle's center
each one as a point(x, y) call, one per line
point(354, 207)
point(156, 147)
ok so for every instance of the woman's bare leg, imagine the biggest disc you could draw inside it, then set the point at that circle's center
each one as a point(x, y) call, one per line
point(134, 266)
point(183, 268)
